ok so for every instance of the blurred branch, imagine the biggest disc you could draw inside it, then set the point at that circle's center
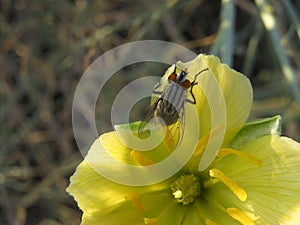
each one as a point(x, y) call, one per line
point(60, 171)
point(293, 16)
point(6, 205)
point(268, 19)
point(206, 41)
point(251, 50)
point(223, 47)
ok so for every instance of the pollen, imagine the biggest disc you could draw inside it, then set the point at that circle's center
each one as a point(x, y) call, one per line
point(186, 189)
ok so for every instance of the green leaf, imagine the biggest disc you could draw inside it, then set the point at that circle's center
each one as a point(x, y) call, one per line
point(256, 129)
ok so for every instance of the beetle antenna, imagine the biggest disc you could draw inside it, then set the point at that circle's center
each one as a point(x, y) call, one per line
point(201, 71)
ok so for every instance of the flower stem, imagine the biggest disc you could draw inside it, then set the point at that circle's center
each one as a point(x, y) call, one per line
point(268, 19)
point(225, 37)
point(293, 16)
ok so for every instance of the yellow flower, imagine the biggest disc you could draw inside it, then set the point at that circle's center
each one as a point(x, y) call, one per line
point(255, 178)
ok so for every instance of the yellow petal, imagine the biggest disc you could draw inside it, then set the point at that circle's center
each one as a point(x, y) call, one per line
point(273, 188)
point(122, 165)
point(173, 214)
point(223, 99)
point(193, 217)
point(118, 151)
point(210, 211)
point(116, 216)
point(91, 190)
point(235, 88)
point(97, 195)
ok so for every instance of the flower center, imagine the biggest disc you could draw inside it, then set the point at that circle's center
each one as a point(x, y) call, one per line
point(186, 189)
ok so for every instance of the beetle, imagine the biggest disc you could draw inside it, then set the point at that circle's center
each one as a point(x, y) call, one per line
point(170, 105)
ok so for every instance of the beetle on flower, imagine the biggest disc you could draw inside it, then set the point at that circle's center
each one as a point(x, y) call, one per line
point(254, 179)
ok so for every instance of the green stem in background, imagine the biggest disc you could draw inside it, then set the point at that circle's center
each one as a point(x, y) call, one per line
point(268, 19)
point(251, 50)
point(293, 16)
point(223, 46)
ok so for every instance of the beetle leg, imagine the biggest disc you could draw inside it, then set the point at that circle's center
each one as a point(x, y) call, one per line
point(157, 92)
point(192, 94)
point(192, 85)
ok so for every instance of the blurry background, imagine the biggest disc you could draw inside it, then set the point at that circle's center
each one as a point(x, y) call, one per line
point(45, 47)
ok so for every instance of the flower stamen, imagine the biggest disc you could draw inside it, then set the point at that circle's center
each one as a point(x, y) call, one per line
point(251, 159)
point(240, 216)
point(136, 201)
point(186, 189)
point(140, 158)
point(240, 193)
point(202, 143)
